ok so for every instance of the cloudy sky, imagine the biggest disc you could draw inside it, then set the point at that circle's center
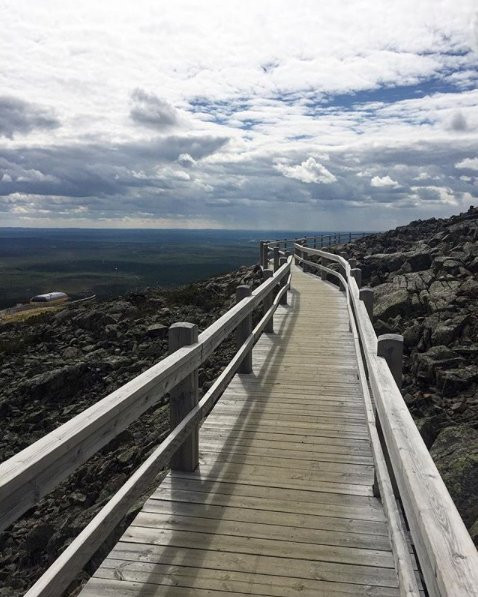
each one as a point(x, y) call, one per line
point(238, 114)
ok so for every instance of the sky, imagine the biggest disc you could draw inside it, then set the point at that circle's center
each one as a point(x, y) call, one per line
point(315, 115)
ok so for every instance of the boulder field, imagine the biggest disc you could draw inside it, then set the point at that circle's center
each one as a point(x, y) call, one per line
point(425, 281)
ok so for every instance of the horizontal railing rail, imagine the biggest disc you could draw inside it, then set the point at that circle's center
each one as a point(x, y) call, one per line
point(445, 551)
point(286, 245)
point(38, 469)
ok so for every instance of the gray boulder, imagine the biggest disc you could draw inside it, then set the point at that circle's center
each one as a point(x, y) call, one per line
point(455, 452)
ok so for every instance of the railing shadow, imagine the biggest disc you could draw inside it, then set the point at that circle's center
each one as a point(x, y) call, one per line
point(241, 433)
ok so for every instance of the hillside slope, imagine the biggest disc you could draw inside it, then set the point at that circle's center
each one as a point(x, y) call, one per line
point(56, 365)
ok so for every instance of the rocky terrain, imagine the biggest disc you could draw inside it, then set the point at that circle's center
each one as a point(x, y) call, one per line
point(56, 365)
point(426, 288)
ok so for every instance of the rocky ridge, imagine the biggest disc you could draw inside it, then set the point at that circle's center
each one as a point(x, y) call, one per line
point(426, 288)
point(56, 365)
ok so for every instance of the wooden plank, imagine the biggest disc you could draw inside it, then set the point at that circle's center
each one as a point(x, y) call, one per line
point(251, 584)
point(345, 469)
point(258, 530)
point(282, 498)
point(359, 445)
point(246, 513)
point(264, 564)
point(287, 479)
point(284, 453)
point(270, 412)
point(258, 546)
point(305, 421)
point(318, 430)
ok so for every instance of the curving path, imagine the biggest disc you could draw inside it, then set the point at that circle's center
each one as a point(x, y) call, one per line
point(282, 504)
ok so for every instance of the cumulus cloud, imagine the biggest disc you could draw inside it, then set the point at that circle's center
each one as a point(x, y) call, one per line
point(468, 164)
point(99, 169)
point(308, 171)
point(383, 181)
point(20, 117)
point(151, 111)
point(186, 160)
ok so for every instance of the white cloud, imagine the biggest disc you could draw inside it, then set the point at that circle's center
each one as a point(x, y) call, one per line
point(308, 171)
point(383, 181)
point(243, 85)
point(468, 163)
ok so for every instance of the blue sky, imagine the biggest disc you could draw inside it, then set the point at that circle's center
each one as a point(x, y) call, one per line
point(241, 114)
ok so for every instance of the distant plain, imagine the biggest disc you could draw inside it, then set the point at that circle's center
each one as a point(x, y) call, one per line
point(110, 262)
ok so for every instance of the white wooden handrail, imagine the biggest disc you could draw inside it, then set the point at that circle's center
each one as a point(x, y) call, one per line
point(39, 468)
point(447, 556)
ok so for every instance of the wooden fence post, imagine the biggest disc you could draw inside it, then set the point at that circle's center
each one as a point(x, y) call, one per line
point(244, 330)
point(323, 275)
point(267, 304)
point(182, 398)
point(366, 295)
point(261, 253)
point(357, 274)
point(266, 255)
point(390, 347)
point(276, 259)
point(283, 300)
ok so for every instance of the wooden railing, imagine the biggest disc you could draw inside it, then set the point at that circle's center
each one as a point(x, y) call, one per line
point(35, 471)
point(446, 554)
point(285, 246)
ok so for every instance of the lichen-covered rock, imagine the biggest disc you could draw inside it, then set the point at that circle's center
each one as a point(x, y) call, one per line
point(391, 301)
point(455, 452)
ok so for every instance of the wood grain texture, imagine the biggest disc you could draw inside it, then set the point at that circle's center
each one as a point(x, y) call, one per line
point(282, 502)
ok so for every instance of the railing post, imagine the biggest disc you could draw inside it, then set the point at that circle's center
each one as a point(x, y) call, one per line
point(182, 398)
point(283, 300)
point(244, 330)
point(315, 242)
point(261, 253)
point(366, 295)
point(356, 273)
point(390, 347)
point(304, 256)
point(276, 258)
point(267, 304)
point(323, 275)
point(265, 255)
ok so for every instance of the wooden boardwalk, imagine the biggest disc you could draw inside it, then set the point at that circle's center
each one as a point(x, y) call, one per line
point(282, 503)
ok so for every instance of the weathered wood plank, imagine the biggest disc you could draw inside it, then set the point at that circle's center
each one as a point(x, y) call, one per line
point(251, 584)
point(265, 564)
point(280, 530)
point(305, 500)
point(258, 546)
point(247, 511)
